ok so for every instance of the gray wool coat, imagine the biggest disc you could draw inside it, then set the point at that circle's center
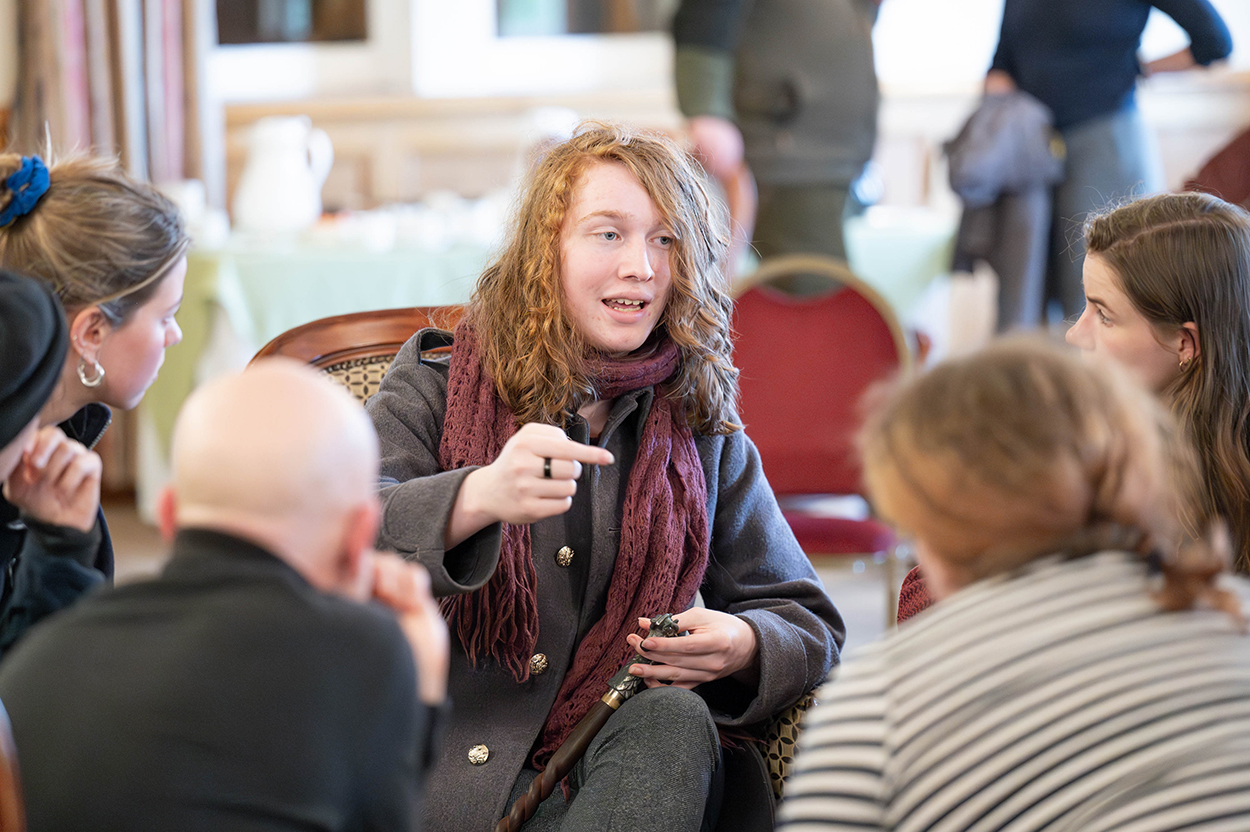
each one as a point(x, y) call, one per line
point(756, 571)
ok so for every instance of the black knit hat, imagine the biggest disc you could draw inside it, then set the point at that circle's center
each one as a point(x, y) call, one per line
point(34, 339)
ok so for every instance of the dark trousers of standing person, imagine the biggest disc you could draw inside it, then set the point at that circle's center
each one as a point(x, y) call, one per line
point(803, 219)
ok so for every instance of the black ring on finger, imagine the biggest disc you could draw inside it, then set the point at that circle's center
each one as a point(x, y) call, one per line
point(547, 467)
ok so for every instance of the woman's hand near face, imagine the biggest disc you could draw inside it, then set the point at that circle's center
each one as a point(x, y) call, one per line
point(716, 645)
point(57, 482)
point(513, 488)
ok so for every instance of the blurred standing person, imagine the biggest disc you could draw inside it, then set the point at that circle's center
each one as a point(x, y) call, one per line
point(1079, 58)
point(782, 101)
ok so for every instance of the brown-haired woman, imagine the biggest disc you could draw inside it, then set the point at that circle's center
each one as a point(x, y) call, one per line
point(1167, 295)
point(114, 251)
point(577, 467)
point(1083, 670)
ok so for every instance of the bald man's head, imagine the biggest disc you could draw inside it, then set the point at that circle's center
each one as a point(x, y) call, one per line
point(278, 446)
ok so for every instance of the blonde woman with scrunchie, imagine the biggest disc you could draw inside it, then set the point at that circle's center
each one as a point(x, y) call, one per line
point(114, 251)
point(1084, 669)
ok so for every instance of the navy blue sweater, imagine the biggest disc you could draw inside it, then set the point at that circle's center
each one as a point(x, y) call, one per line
point(1079, 57)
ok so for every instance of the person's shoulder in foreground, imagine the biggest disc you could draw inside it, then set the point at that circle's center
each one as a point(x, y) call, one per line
point(1086, 664)
point(278, 673)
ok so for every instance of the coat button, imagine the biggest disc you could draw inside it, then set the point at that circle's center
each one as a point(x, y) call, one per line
point(479, 754)
point(538, 664)
point(565, 556)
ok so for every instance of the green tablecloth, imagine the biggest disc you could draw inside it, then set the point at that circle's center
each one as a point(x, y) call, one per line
point(262, 292)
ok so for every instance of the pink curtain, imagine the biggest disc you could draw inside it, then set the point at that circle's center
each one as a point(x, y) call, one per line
point(116, 77)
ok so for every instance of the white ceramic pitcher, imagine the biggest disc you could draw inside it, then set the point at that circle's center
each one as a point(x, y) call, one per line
point(287, 163)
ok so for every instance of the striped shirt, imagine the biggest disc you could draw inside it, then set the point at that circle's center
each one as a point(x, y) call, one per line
point(1057, 698)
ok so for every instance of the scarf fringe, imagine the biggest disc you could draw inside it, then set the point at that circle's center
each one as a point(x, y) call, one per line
point(664, 538)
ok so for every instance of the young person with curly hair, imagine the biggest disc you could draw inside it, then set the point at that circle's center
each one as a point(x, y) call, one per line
point(576, 468)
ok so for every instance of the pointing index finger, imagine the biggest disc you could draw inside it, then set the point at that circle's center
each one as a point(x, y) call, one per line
point(569, 450)
point(592, 454)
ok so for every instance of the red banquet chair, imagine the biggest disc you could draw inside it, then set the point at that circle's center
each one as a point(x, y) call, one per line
point(805, 363)
point(1227, 173)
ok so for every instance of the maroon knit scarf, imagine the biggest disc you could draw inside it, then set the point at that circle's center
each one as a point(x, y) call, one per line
point(664, 533)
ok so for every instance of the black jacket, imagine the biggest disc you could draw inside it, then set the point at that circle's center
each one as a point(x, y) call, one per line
point(45, 568)
point(227, 694)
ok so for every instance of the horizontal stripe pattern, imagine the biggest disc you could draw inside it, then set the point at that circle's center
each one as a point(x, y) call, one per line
point(1059, 698)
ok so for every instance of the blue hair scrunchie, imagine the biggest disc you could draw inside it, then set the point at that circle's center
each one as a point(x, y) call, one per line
point(27, 185)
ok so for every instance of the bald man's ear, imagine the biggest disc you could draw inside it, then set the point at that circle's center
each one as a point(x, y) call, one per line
point(359, 536)
point(167, 513)
point(362, 526)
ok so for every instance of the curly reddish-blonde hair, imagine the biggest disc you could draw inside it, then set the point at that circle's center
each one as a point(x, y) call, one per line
point(530, 346)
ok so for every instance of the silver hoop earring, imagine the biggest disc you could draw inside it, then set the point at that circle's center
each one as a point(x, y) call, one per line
point(96, 379)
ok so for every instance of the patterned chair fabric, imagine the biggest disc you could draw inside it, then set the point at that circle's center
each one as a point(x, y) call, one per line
point(361, 376)
point(781, 742)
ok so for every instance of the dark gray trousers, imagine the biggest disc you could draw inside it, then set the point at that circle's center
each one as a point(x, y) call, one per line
point(651, 769)
point(803, 219)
